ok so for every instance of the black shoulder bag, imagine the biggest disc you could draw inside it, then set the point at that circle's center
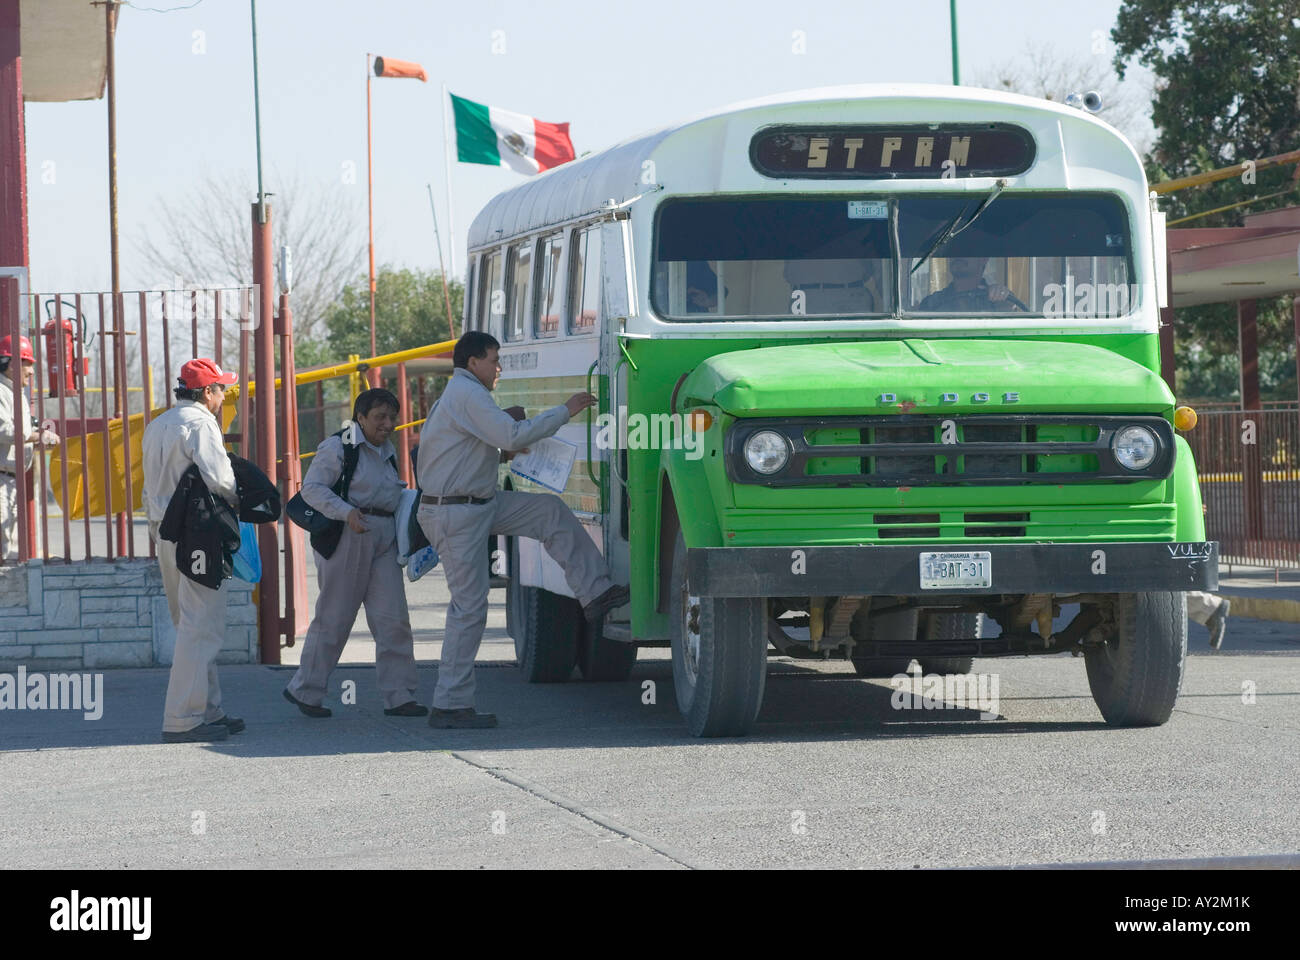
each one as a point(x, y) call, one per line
point(325, 533)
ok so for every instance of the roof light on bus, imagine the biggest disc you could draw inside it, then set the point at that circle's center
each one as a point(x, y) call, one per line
point(1185, 418)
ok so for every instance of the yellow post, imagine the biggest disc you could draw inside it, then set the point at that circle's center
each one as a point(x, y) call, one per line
point(354, 378)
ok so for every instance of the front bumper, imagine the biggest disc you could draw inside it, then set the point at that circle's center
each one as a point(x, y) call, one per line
point(1052, 568)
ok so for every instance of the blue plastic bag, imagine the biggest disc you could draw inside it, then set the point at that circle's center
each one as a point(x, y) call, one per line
point(248, 558)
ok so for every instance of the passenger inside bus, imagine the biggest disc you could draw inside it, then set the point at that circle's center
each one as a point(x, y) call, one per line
point(969, 292)
point(701, 287)
point(830, 286)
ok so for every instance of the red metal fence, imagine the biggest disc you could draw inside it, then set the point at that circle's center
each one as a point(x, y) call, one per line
point(1249, 467)
point(100, 375)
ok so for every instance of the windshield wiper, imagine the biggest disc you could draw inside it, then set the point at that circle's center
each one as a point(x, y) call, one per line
point(952, 230)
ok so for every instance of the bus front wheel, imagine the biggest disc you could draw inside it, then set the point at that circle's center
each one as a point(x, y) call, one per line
point(1136, 675)
point(719, 656)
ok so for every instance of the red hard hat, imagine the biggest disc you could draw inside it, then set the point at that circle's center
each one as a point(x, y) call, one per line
point(201, 371)
point(24, 348)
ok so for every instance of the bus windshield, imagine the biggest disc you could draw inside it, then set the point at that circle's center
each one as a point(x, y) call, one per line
point(953, 254)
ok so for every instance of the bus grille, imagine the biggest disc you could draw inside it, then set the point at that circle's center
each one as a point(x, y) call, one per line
point(911, 451)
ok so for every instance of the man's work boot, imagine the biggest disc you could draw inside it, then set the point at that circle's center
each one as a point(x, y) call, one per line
point(203, 733)
point(613, 598)
point(312, 710)
point(232, 724)
point(1218, 624)
point(462, 719)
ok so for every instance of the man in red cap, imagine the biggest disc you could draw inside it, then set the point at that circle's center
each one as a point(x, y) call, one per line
point(9, 426)
point(190, 433)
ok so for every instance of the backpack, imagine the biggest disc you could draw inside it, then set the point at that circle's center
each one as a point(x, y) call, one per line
point(325, 533)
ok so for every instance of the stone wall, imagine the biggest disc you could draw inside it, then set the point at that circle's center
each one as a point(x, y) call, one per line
point(103, 613)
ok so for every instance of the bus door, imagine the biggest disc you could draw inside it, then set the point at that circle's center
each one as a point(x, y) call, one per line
point(618, 302)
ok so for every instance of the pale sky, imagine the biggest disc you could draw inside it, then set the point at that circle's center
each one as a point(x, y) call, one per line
point(612, 69)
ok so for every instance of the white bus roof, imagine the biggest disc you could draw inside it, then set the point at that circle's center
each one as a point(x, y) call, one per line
point(1099, 155)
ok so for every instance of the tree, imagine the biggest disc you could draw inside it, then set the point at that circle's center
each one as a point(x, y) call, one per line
point(409, 312)
point(1228, 81)
point(205, 239)
point(1044, 71)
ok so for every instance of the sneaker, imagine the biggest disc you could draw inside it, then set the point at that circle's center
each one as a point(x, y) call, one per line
point(613, 598)
point(1218, 624)
point(462, 719)
point(203, 733)
point(232, 724)
point(314, 711)
point(408, 709)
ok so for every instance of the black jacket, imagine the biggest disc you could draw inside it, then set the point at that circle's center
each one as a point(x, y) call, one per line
point(259, 500)
point(205, 530)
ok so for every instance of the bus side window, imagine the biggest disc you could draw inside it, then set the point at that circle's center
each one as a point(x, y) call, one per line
point(584, 300)
point(470, 306)
point(492, 295)
point(520, 283)
point(546, 315)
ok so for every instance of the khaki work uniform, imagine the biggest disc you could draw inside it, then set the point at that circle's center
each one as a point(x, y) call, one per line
point(8, 482)
point(187, 434)
point(362, 570)
point(1201, 606)
point(460, 449)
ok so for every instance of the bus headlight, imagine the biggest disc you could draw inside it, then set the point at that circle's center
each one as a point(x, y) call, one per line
point(1135, 447)
point(767, 452)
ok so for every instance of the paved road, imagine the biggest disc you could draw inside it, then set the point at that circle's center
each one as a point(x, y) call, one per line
point(585, 775)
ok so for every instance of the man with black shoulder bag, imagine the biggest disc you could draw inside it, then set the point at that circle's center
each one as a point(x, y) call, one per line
point(354, 486)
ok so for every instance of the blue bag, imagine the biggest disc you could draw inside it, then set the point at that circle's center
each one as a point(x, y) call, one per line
point(248, 558)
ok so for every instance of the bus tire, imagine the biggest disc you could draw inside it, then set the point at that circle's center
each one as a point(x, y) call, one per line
point(1136, 675)
point(864, 630)
point(719, 656)
point(600, 659)
point(951, 626)
point(544, 627)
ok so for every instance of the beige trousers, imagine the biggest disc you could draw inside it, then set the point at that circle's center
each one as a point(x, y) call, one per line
point(1201, 606)
point(362, 571)
point(459, 532)
point(199, 614)
point(8, 516)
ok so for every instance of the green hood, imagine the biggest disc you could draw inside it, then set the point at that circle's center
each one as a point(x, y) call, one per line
point(850, 378)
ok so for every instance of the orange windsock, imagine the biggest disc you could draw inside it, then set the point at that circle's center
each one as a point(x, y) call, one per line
point(388, 67)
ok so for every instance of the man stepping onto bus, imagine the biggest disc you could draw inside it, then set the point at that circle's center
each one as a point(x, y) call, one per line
point(461, 445)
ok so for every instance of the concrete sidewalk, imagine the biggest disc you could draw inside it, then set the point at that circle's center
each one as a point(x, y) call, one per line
point(1262, 593)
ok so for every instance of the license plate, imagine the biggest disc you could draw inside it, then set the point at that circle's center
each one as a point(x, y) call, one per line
point(955, 571)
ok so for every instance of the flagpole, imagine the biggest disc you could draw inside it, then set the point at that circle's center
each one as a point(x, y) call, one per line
point(446, 295)
point(451, 214)
point(370, 197)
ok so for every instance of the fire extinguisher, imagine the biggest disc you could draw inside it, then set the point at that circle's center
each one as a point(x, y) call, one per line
point(64, 379)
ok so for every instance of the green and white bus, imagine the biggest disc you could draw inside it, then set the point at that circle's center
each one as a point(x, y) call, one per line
point(878, 368)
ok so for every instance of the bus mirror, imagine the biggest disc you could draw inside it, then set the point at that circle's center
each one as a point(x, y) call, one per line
point(616, 269)
point(1159, 242)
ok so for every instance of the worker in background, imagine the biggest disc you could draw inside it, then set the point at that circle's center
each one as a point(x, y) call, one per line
point(362, 568)
point(189, 433)
point(9, 427)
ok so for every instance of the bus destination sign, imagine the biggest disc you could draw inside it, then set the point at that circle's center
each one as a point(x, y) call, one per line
point(875, 152)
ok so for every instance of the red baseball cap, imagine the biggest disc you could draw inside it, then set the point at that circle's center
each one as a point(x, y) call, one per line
point(201, 372)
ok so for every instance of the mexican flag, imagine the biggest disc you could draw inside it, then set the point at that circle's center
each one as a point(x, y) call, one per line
point(490, 135)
